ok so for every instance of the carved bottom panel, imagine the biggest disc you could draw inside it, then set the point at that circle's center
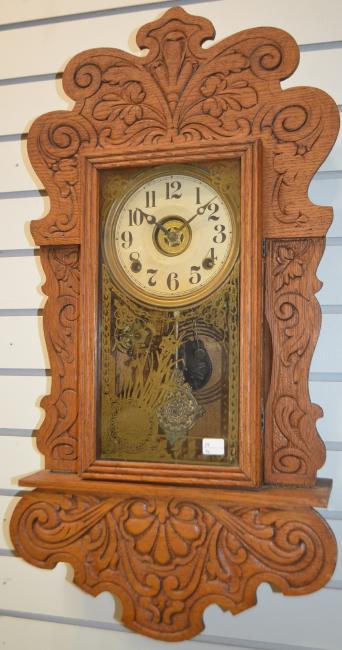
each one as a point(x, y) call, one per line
point(168, 559)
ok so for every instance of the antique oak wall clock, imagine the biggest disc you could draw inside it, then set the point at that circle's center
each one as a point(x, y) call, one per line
point(180, 254)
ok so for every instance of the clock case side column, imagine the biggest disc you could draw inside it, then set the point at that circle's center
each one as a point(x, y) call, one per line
point(57, 437)
point(294, 450)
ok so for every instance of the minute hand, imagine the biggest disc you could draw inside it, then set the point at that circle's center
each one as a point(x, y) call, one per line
point(199, 211)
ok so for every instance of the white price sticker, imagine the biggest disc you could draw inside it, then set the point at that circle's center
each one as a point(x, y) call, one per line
point(213, 446)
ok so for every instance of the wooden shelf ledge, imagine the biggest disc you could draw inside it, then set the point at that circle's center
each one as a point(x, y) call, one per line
point(277, 497)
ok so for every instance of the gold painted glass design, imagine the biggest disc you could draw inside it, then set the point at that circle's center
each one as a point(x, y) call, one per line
point(169, 314)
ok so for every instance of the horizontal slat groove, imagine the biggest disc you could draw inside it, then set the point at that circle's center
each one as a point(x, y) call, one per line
point(19, 252)
point(23, 194)
point(334, 241)
point(21, 312)
point(11, 372)
point(116, 627)
point(331, 309)
point(23, 433)
point(6, 552)
point(328, 175)
point(333, 446)
point(13, 492)
point(315, 47)
point(27, 79)
point(11, 137)
point(24, 372)
point(334, 584)
point(330, 515)
point(325, 376)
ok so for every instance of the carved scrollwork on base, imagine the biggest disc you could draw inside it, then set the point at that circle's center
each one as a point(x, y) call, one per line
point(294, 450)
point(169, 558)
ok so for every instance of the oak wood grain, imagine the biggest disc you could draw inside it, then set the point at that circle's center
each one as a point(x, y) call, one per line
point(168, 551)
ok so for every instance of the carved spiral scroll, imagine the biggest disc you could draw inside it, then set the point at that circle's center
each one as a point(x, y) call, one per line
point(168, 559)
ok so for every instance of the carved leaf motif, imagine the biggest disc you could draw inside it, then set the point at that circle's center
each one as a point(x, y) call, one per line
point(125, 103)
point(289, 267)
point(175, 556)
point(222, 95)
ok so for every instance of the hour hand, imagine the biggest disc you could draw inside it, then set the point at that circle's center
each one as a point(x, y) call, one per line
point(151, 219)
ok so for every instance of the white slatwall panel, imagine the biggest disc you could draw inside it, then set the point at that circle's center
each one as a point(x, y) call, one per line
point(20, 287)
point(22, 10)
point(60, 41)
point(15, 216)
point(329, 395)
point(18, 633)
point(19, 403)
point(28, 100)
point(308, 21)
point(18, 457)
point(267, 625)
point(328, 191)
point(42, 47)
point(22, 342)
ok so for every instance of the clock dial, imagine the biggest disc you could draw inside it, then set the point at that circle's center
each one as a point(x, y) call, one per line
point(169, 314)
point(171, 239)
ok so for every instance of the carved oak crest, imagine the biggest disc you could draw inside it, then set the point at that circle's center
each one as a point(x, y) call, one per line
point(169, 554)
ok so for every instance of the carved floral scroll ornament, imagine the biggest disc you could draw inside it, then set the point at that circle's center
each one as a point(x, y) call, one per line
point(295, 449)
point(58, 436)
point(180, 94)
point(167, 559)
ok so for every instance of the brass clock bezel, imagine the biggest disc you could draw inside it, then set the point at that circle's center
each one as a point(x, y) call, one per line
point(122, 280)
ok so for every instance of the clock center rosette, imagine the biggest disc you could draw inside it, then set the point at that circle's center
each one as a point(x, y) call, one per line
point(174, 237)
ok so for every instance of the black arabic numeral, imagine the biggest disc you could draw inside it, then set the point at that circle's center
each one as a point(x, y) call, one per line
point(172, 281)
point(135, 217)
point(210, 259)
point(151, 199)
point(195, 277)
point(127, 239)
point(152, 281)
point(136, 265)
point(221, 237)
point(213, 208)
point(172, 190)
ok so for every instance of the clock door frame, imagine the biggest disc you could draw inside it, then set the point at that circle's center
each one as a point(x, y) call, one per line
point(248, 471)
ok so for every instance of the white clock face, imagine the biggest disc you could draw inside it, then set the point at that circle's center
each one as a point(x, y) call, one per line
point(171, 238)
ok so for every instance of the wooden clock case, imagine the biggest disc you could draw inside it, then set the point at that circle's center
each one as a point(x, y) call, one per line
point(169, 543)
